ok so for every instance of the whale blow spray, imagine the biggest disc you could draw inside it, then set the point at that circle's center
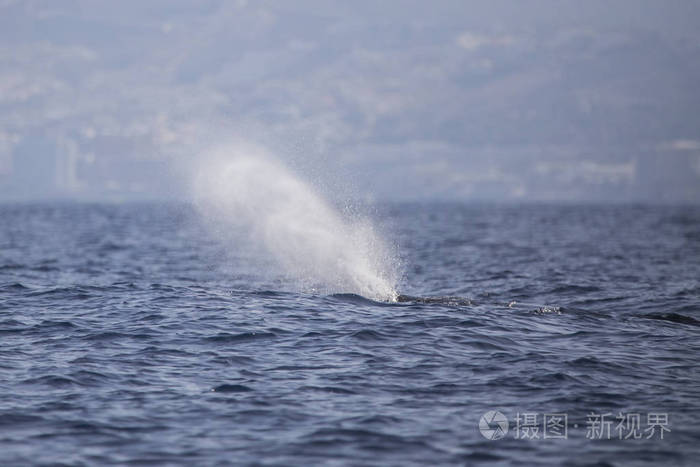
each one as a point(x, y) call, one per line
point(243, 188)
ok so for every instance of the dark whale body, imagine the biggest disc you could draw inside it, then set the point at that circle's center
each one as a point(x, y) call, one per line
point(435, 300)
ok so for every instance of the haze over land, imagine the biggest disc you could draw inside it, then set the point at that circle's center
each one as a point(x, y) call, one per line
point(562, 100)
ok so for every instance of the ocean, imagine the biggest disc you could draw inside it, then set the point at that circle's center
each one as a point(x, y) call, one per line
point(428, 333)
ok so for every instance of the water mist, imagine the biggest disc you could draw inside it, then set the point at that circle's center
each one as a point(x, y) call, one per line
point(243, 188)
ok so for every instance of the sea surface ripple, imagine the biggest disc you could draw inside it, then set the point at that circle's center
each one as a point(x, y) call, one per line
point(131, 336)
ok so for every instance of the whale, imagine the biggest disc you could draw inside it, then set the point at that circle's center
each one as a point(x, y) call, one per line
point(450, 300)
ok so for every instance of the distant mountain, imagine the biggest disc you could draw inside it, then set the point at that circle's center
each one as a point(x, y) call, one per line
point(460, 100)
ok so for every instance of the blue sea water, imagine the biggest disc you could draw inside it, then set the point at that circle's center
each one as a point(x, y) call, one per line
point(129, 335)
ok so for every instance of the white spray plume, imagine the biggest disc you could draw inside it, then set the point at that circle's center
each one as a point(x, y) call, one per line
point(240, 186)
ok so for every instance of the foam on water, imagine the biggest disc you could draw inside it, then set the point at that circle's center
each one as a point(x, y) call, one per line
point(242, 187)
